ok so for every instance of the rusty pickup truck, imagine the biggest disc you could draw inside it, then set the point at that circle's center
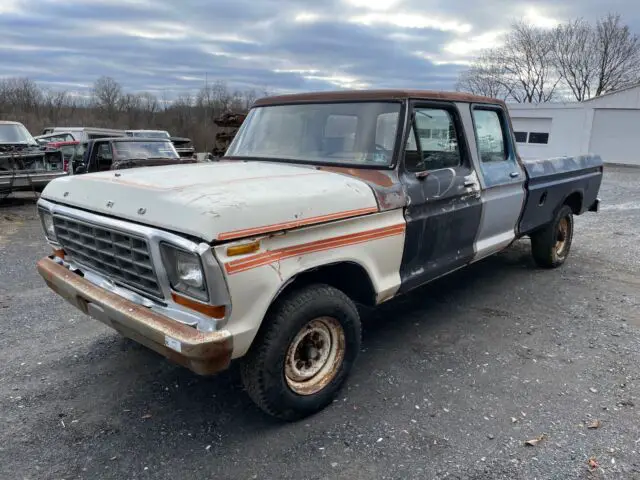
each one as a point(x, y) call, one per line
point(323, 202)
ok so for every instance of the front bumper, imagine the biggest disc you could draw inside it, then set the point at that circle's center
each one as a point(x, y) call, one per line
point(200, 352)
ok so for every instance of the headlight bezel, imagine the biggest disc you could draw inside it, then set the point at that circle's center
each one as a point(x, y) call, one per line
point(47, 216)
point(170, 255)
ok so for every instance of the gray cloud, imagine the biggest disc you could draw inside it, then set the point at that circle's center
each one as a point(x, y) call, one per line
point(279, 45)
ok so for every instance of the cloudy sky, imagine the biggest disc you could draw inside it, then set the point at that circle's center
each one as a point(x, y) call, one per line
point(172, 46)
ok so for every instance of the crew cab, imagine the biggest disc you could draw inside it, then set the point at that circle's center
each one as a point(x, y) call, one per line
point(323, 202)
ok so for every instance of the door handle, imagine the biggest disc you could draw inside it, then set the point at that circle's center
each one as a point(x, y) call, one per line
point(514, 174)
point(470, 183)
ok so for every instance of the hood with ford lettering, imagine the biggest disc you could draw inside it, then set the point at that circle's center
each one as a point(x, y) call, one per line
point(218, 201)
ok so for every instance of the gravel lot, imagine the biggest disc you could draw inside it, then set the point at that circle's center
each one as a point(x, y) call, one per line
point(452, 380)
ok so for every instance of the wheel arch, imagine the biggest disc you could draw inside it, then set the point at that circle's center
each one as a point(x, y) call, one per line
point(348, 276)
point(575, 201)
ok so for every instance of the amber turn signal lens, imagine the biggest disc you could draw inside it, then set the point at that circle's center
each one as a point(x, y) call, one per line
point(58, 252)
point(243, 249)
point(215, 311)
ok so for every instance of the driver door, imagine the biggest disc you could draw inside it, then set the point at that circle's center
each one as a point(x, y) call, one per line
point(104, 157)
point(444, 210)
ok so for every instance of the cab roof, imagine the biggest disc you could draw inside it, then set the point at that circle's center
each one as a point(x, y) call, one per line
point(372, 95)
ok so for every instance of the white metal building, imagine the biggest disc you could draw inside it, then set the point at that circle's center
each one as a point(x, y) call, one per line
point(608, 125)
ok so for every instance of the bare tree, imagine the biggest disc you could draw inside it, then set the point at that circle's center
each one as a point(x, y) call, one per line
point(522, 69)
point(107, 94)
point(618, 53)
point(486, 78)
point(574, 44)
point(596, 59)
point(526, 59)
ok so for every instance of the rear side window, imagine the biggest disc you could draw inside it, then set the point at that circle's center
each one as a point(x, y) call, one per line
point(490, 136)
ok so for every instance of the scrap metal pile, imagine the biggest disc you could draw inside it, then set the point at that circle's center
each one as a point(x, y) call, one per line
point(228, 125)
point(26, 167)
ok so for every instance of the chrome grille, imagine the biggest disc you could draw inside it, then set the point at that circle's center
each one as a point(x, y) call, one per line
point(122, 257)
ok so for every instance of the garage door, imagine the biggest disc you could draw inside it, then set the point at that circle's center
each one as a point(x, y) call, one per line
point(615, 136)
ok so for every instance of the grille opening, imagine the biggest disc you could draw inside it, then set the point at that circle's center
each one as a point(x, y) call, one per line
point(123, 257)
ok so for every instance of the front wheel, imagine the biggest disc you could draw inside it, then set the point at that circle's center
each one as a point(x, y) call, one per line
point(550, 246)
point(303, 352)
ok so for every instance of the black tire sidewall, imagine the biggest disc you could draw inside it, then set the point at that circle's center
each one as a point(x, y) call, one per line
point(276, 390)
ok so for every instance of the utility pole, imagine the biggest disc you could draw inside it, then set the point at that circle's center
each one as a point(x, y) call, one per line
point(206, 110)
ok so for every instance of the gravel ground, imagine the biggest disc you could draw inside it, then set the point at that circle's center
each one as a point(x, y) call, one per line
point(452, 380)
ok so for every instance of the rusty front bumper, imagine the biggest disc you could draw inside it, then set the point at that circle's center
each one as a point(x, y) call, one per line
point(203, 353)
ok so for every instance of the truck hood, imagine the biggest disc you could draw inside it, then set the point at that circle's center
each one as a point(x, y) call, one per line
point(217, 201)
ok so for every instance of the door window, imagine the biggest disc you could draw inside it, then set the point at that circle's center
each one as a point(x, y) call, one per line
point(490, 136)
point(104, 157)
point(497, 165)
point(433, 141)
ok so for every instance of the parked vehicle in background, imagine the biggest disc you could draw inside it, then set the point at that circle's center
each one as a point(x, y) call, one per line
point(148, 134)
point(127, 152)
point(84, 134)
point(184, 147)
point(23, 163)
point(182, 144)
point(323, 201)
point(72, 153)
point(54, 137)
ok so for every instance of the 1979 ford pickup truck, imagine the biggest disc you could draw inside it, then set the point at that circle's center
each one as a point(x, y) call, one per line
point(323, 201)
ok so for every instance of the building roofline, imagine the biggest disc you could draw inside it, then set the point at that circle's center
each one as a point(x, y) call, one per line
point(630, 87)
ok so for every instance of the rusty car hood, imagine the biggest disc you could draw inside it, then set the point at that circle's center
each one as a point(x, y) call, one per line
point(218, 201)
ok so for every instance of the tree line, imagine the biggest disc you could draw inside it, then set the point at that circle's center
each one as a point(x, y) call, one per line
point(577, 60)
point(108, 105)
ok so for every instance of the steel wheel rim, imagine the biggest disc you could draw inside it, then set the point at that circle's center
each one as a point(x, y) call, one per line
point(562, 236)
point(314, 356)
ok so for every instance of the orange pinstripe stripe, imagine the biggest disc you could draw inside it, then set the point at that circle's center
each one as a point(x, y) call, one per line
point(266, 258)
point(295, 223)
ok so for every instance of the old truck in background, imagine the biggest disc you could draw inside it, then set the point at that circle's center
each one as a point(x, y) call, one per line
point(182, 144)
point(127, 152)
point(24, 164)
point(324, 201)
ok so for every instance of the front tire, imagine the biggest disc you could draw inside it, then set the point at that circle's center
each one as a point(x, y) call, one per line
point(550, 246)
point(303, 353)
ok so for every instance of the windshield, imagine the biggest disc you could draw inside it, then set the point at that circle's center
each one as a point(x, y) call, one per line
point(15, 133)
point(144, 150)
point(360, 133)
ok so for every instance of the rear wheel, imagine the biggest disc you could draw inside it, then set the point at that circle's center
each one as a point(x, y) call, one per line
point(550, 246)
point(303, 352)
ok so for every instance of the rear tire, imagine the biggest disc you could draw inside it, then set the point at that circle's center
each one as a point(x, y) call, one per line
point(550, 246)
point(303, 352)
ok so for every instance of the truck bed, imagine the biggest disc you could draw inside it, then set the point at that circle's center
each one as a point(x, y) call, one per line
point(554, 181)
